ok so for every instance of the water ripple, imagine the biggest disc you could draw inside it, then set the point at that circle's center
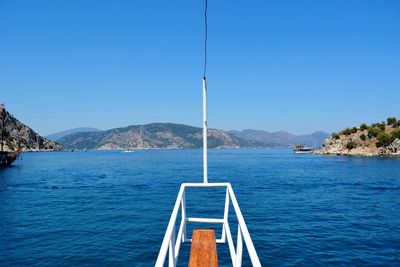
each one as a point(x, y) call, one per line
point(107, 209)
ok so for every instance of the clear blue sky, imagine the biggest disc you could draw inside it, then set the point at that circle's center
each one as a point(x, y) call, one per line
point(298, 66)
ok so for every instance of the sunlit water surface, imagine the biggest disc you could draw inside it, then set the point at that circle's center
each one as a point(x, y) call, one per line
point(112, 208)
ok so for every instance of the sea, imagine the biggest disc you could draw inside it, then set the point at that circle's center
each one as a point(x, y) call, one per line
point(110, 208)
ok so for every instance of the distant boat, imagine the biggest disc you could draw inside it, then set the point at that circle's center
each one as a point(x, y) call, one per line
point(6, 158)
point(299, 149)
point(128, 151)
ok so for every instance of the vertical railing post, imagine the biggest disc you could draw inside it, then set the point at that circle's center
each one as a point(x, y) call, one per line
point(239, 248)
point(226, 213)
point(184, 217)
point(205, 171)
point(172, 249)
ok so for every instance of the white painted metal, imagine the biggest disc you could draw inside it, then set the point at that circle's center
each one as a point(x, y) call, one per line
point(246, 236)
point(205, 185)
point(170, 231)
point(178, 244)
point(230, 243)
point(205, 167)
point(183, 216)
point(239, 248)
point(226, 212)
point(172, 262)
point(172, 243)
point(205, 220)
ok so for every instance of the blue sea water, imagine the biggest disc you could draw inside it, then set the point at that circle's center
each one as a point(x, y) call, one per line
point(112, 208)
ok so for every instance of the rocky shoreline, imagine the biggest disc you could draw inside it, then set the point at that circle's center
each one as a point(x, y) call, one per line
point(17, 135)
point(379, 139)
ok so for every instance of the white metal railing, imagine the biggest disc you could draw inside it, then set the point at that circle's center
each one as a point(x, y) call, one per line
point(172, 242)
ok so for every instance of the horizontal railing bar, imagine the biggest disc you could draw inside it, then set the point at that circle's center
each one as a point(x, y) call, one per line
point(220, 241)
point(204, 220)
point(205, 184)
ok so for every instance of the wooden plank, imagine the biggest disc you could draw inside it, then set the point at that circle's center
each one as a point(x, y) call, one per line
point(203, 252)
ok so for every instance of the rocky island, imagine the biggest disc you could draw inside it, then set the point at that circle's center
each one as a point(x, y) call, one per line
point(366, 140)
point(17, 135)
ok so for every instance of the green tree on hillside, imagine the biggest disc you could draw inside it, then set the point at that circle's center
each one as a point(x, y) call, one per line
point(391, 121)
point(363, 127)
point(395, 134)
point(346, 131)
point(350, 145)
point(384, 139)
point(335, 136)
point(373, 131)
point(382, 126)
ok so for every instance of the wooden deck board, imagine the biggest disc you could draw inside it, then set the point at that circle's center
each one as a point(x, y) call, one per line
point(203, 252)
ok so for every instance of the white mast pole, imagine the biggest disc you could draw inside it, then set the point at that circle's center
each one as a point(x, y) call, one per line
point(205, 172)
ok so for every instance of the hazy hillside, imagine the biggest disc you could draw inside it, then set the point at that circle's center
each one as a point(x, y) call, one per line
point(281, 138)
point(17, 134)
point(56, 136)
point(153, 136)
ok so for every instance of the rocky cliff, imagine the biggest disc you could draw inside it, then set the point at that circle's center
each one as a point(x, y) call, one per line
point(152, 136)
point(18, 135)
point(377, 139)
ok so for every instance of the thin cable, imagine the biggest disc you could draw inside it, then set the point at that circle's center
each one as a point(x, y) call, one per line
point(205, 39)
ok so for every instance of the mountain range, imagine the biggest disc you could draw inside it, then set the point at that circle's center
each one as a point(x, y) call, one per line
point(152, 136)
point(176, 136)
point(56, 136)
point(282, 138)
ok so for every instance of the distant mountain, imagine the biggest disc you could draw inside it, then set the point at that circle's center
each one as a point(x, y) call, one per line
point(153, 136)
point(18, 135)
point(56, 136)
point(281, 138)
